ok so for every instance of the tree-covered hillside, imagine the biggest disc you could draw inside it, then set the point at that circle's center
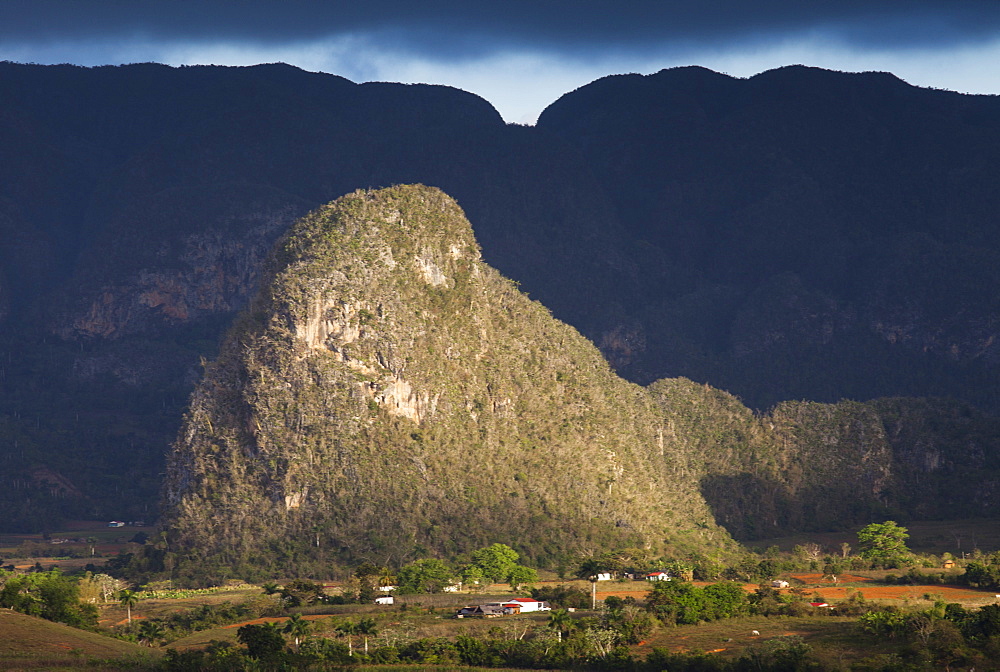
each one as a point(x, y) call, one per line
point(804, 234)
point(389, 395)
point(798, 235)
point(135, 216)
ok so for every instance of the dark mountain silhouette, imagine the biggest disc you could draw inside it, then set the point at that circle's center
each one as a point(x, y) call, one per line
point(802, 234)
point(808, 234)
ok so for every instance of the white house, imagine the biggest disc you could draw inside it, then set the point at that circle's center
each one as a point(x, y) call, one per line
point(778, 583)
point(527, 604)
point(604, 576)
point(658, 576)
point(384, 599)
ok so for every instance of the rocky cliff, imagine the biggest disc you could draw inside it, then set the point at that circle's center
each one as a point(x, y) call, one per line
point(136, 214)
point(394, 395)
point(390, 395)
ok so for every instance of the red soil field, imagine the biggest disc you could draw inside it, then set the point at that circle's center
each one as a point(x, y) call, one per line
point(830, 592)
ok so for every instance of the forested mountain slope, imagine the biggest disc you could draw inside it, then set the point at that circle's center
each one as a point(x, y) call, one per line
point(808, 234)
point(800, 235)
point(817, 467)
point(137, 204)
point(390, 395)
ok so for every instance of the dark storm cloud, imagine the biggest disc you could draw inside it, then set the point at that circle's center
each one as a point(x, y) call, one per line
point(453, 28)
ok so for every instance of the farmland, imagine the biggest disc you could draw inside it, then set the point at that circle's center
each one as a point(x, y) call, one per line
point(215, 615)
point(32, 643)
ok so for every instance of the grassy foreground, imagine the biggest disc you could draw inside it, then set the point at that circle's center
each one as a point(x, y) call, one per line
point(29, 643)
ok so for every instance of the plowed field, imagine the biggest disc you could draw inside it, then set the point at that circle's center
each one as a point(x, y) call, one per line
point(830, 592)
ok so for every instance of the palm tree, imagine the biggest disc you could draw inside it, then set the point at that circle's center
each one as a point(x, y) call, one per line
point(348, 629)
point(270, 588)
point(151, 632)
point(366, 627)
point(386, 577)
point(560, 621)
point(297, 627)
point(128, 599)
point(590, 569)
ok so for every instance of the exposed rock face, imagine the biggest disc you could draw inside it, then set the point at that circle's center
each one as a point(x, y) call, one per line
point(391, 389)
point(134, 216)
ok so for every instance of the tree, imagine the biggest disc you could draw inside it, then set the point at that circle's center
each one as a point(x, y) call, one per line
point(348, 629)
point(366, 628)
point(49, 595)
point(151, 632)
point(677, 602)
point(386, 578)
point(128, 599)
point(369, 577)
point(520, 575)
point(425, 576)
point(590, 569)
point(725, 600)
point(560, 621)
point(495, 562)
point(262, 641)
point(628, 620)
point(884, 544)
point(498, 564)
point(297, 627)
point(473, 578)
point(299, 592)
point(562, 596)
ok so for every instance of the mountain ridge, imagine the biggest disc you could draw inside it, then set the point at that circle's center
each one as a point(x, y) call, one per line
point(830, 237)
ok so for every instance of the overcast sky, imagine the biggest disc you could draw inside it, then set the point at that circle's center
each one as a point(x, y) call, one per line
point(521, 55)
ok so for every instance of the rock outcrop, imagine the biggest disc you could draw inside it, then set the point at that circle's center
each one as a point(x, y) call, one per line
point(390, 389)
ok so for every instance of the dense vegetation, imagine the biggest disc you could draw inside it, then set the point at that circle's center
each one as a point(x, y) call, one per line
point(811, 466)
point(798, 235)
point(390, 395)
point(309, 628)
point(49, 595)
point(798, 240)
